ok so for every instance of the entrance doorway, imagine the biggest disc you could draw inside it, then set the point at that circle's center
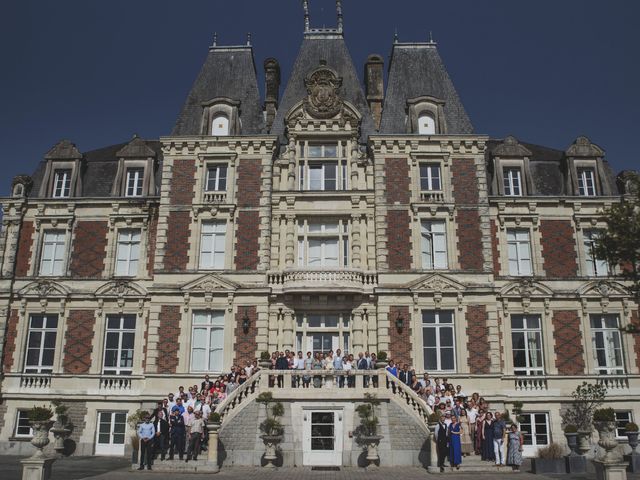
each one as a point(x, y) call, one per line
point(322, 438)
point(112, 427)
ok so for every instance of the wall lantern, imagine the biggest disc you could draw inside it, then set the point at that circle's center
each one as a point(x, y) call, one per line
point(245, 321)
point(399, 322)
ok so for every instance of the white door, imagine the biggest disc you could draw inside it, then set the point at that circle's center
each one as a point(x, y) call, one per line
point(322, 438)
point(535, 430)
point(110, 438)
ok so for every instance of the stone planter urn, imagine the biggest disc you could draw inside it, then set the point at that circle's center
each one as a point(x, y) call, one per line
point(60, 434)
point(633, 441)
point(271, 443)
point(382, 364)
point(40, 436)
point(371, 443)
point(583, 442)
point(607, 441)
point(572, 443)
point(265, 364)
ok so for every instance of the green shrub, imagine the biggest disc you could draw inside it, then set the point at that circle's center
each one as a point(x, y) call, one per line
point(382, 356)
point(631, 427)
point(264, 356)
point(570, 429)
point(368, 421)
point(604, 415)
point(214, 417)
point(551, 451)
point(434, 417)
point(40, 414)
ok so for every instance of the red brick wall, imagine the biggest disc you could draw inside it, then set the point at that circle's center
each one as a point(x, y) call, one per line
point(176, 252)
point(23, 255)
point(89, 249)
point(479, 359)
point(10, 341)
point(247, 243)
point(568, 342)
point(397, 180)
point(464, 181)
point(152, 236)
point(400, 342)
point(246, 345)
point(495, 251)
point(558, 248)
point(399, 240)
point(168, 345)
point(469, 240)
point(249, 171)
point(182, 182)
point(78, 338)
point(636, 338)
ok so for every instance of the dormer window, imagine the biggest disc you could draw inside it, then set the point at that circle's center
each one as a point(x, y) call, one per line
point(586, 182)
point(221, 117)
point(62, 183)
point(220, 126)
point(426, 124)
point(135, 182)
point(512, 182)
point(216, 178)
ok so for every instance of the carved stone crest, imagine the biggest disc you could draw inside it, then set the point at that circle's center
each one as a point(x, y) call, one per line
point(323, 100)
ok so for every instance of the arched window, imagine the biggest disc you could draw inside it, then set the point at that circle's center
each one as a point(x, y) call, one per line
point(220, 126)
point(426, 124)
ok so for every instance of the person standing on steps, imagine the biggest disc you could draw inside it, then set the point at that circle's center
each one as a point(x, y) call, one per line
point(499, 430)
point(455, 449)
point(178, 432)
point(146, 434)
point(442, 442)
point(514, 447)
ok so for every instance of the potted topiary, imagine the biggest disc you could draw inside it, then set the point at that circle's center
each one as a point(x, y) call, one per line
point(367, 432)
point(271, 428)
point(604, 419)
point(549, 459)
point(265, 360)
point(381, 361)
point(586, 398)
point(571, 434)
point(40, 420)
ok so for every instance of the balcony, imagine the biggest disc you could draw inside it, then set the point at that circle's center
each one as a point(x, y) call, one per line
point(214, 198)
point(432, 196)
point(305, 280)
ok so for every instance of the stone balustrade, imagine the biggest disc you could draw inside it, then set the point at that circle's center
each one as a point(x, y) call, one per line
point(214, 197)
point(301, 280)
point(430, 196)
point(35, 381)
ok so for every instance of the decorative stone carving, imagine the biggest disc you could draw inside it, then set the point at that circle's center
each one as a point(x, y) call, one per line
point(437, 283)
point(120, 289)
point(323, 100)
point(602, 288)
point(582, 147)
point(510, 147)
point(526, 288)
point(44, 288)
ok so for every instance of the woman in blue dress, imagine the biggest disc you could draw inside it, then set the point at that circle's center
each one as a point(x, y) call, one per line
point(455, 446)
point(487, 438)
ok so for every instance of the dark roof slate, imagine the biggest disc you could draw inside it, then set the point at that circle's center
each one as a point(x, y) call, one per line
point(227, 72)
point(333, 50)
point(417, 70)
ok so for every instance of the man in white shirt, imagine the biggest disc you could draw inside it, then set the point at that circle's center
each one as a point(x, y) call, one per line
point(298, 364)
point(338, 364)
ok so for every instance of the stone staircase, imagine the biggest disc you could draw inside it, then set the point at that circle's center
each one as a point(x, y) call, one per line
point(473, 464)
point(180, 466)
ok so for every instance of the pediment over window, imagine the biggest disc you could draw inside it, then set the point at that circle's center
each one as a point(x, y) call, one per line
point(582, 147)
point(602, 288)
point(436, 283)
point(120, 289)
point(44, 289)
point(510, 147)
point(526, 288)
point(63, 150)
point(209, 284)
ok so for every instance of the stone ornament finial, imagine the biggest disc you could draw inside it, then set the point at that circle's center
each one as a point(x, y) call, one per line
point(305, 7)
point(340, 18)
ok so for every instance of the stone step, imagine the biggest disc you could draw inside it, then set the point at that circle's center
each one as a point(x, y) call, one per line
point(485, 467)
point(192, 466)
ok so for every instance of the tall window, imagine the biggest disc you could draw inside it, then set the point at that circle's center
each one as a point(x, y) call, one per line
point(607, 344)
point(512, 182)
point(23, 424)
point(526, 341)
point(434, 244)
point(586, 182)
point(41, 343)
point(438, 340)
point(322, 168)
point(128, 253)
point(135, 179)
point(519, 252)
point(430, 176)
point(220, 126)
point(207, 341)
point(596, 267)
point(62, 183)
point(622, 418)
point(323, 244)
point(319, 333)
point(426, 124)
point(216, 178)
point(119, 344)
point(535, 430)
point(212, 244)
point(52, 258)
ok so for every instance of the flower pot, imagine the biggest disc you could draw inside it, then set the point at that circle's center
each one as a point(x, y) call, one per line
point(583, 442)
point(607, 440)
point(60, 433)
point(271, 443)
point(371, 443)
point(382, 364)
point(633, 441)
point(265, 364)
point(40, 437)
point(572, 443)
point(548, 465)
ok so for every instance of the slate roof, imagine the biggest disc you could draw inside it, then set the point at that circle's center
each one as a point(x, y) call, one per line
point(332, 49)
point(416, 70)
point(100, 168)
point(227, 72)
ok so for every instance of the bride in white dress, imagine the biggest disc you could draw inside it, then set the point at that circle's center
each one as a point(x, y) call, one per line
point(328, 379)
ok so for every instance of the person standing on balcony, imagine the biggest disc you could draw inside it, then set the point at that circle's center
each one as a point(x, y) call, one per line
point(338, 365)
point(328, 380)
point(282, 364)
point(146, 433)
point(298, 364)
point(363, 364)
point(308, 365)
point(317, 365)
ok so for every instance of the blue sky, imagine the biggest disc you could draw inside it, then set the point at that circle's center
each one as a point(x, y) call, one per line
point(95, 72)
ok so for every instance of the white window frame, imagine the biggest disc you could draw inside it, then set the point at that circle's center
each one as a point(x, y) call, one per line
point(128, 252)
point(214, 322)
point(213, 234)
point(586, 182)
point(216, 182)
point(62, 183)
point(622, 418)
point(22, 416)
point(519, 252)
point(134, 182)
point(53, 241)
point(528, 329)
point(339, 330)
point(120, 331)
point(532, 448)
point(431, 181)
point(440, 324)
point(322, 232)
point(512, 177)
point(595, 267)
point(607, 336)
point(49, 328)
point(433, 235)
point(320, 156)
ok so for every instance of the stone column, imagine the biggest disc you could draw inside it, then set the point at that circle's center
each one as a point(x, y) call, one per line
point(358, 345)
point(288, 330)
point(289, 247)
point(291, 175)
point(355, 241)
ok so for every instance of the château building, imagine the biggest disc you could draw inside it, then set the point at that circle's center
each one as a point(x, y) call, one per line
point(342, 213)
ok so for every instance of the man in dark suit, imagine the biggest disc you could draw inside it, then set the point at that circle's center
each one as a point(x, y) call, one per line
point(363, 364)
point(282, 363)
point(442, 442)
point(405, 375)
point(162, 435)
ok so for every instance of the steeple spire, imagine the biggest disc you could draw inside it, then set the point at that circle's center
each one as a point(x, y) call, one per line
point(339, 12)
point(305, 7)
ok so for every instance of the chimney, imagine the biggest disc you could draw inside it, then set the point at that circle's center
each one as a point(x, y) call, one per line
point(272, 89)
point(374, 86)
